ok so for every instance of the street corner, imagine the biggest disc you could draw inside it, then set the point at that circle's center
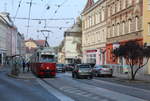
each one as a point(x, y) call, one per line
point(25, 76)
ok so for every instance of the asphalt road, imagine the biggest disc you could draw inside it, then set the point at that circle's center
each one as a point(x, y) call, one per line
point(22, 90)
point(96, 89)
point(65, 88)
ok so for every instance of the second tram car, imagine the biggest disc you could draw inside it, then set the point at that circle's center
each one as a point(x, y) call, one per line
point(43, 63)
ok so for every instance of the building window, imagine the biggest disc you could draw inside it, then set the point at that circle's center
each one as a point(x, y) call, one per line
point(113, 8)
point(123, 27)
point(129, 2)
point(148, 4)
point(108, 11)
point(137, 1)
point(113, 30)
point(129, 26)
point(96, 18)
point(118, 29)
point(148, 28)
point(118, 6)
point(124, 4)
point(136, 23)
point(103, 15)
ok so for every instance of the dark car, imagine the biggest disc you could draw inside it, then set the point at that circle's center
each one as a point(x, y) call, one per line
point(69, 67)
point(60, 68)
point(92, 64)
point(82, 70)
point(102, 70)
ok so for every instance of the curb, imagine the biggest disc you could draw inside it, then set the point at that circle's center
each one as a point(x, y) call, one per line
point(18, 77)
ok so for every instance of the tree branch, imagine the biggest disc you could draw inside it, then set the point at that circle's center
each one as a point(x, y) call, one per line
point(141, 66)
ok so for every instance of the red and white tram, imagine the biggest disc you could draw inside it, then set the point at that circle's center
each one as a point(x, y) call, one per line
point(43, 63)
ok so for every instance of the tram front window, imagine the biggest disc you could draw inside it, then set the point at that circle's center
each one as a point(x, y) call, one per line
point(47, 58)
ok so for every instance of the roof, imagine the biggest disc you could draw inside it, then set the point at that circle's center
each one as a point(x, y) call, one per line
point(30, 50)
point(88, 5)
point(76, 28)
point(40, 43)
point(4, 16)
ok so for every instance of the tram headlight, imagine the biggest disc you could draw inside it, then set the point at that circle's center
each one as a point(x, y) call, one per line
point(47, 67)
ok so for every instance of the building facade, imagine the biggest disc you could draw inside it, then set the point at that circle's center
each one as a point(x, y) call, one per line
point(94, 32)
point(124, 23)
point(118, 22)
point(72, 43)
point(9, 36)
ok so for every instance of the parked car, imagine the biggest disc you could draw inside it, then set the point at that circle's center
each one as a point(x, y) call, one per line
point(69, 67)
point(60, 68)
point(92, 64)
point(102, 70)
point(82, 70)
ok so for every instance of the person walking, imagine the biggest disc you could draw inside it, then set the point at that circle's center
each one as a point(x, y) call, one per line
point(28, 66)
point(23, 65)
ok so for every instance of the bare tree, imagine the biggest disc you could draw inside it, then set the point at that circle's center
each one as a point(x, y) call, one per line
point(134, 54)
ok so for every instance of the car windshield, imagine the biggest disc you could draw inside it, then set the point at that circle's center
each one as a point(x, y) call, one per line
point(105, 66)
point(47, 58)
point(99, 66)
point(60, 65)
point(85, 66)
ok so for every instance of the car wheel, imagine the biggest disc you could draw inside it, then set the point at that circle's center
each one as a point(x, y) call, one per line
point(96, 74)
point(110, 75)
point(91, 77)
point(73, 75)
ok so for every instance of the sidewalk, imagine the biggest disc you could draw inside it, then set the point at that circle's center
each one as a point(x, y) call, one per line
point(139, 77)
point(22, 75)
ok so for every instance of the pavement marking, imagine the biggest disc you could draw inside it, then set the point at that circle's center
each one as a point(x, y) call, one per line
point(107, 82)
point(105, 92)
point(101, 81)
point(79, 92)
point(109, 94)
point(53, 91)
point(68, 74)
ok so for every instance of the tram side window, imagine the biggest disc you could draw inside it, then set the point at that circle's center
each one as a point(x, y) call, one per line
point(47, 58)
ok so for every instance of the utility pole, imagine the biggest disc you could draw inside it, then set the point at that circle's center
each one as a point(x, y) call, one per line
point(29, 16)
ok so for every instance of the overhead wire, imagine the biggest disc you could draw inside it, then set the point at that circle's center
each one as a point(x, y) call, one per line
point(29, 17)
point(58, 6)
point(17, 9)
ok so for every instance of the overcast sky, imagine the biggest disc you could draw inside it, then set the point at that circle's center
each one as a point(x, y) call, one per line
point(39, 10)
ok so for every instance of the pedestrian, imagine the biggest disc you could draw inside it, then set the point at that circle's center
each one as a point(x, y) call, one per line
point(23, 65)
point(28, 66)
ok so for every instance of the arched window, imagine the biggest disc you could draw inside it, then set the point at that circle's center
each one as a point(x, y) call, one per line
point(136, 23)
point(103, 14)
point(124, 4)
point(129, 2)
point(129, 26)
point(118, 6)
point(113, 30)
point(118, 29)
point(123, 27)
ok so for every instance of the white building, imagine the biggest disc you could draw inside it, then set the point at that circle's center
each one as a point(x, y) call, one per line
point(9, 38)
point(72, 43)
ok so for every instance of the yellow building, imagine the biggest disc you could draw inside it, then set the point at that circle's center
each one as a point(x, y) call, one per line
point(146, 26)
point(31, 46)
